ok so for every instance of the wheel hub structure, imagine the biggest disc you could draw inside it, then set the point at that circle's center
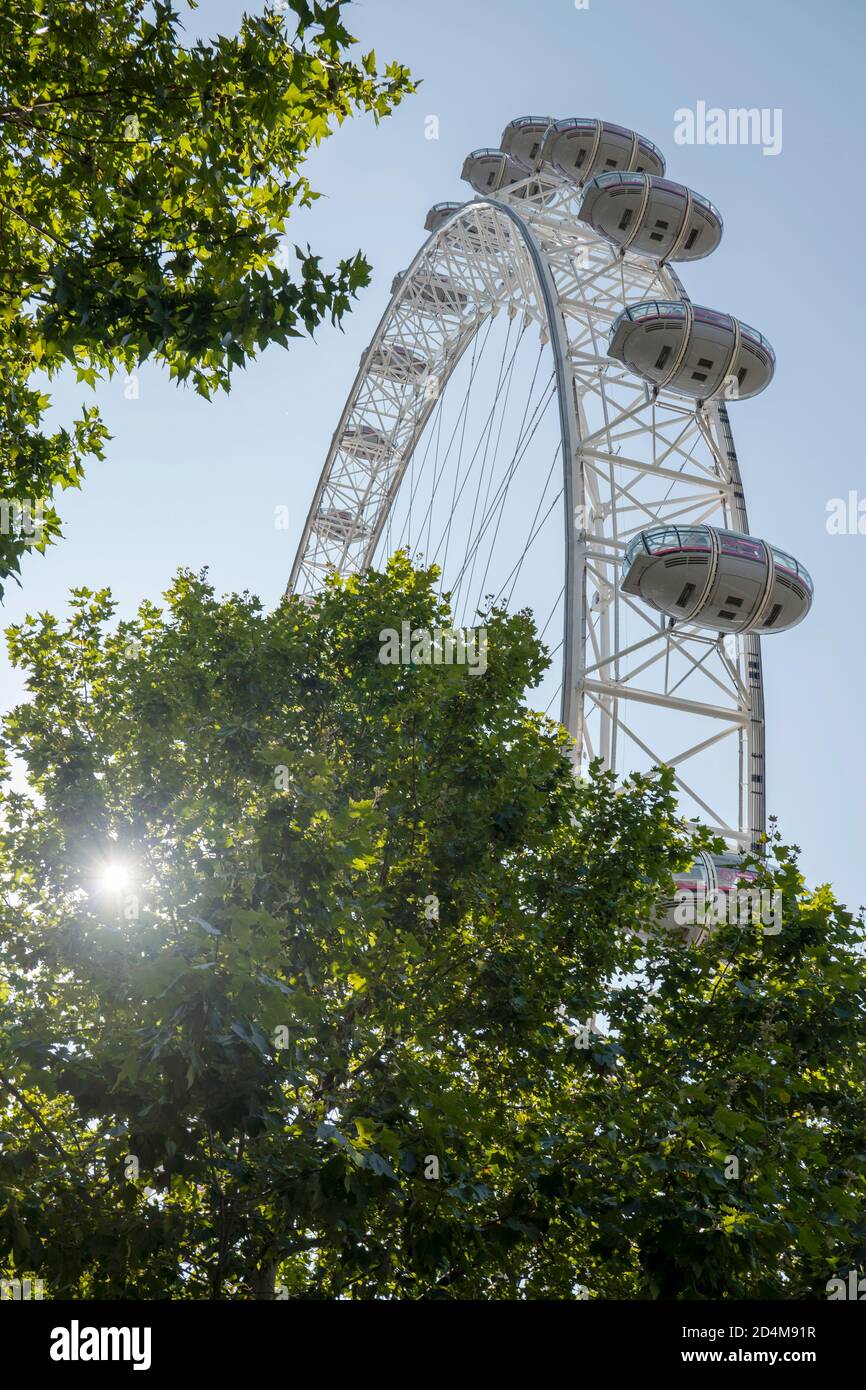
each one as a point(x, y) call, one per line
point(525, 471)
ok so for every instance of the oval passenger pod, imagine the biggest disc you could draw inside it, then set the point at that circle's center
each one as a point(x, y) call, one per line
point(655, 216)
point(578, 148)
point(724, 580)
point(695, 351)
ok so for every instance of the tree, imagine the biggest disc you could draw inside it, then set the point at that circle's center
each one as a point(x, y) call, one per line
point(724, 1153)
point(144, 190)
point(376, 1012)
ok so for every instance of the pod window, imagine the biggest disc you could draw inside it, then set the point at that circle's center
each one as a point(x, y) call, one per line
point(662, 359)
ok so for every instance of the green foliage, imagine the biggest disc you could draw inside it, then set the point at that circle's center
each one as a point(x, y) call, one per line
point(732, 1141)
point(144, 189)
point(369, 907)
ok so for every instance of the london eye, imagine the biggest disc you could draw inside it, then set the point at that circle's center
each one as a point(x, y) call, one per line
point(545, 414)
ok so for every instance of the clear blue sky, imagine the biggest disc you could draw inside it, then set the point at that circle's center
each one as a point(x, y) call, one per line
point(192, 483)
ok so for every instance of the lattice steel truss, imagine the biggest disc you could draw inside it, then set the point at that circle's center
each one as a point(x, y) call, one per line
point(632, 457)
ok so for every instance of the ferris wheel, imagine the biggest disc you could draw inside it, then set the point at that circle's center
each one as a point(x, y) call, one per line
point(544, 413)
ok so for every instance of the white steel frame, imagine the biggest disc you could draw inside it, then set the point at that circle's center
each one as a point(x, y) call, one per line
point(633, 456)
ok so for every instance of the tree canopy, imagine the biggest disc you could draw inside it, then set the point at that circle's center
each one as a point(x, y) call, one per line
point(145, 185)
point(323, 977)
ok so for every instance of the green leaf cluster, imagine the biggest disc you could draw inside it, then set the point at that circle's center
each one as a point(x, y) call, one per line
point(145, 186)
point(326, 1087)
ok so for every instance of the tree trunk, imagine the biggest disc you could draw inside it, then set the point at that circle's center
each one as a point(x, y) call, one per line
point(264, 1280)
